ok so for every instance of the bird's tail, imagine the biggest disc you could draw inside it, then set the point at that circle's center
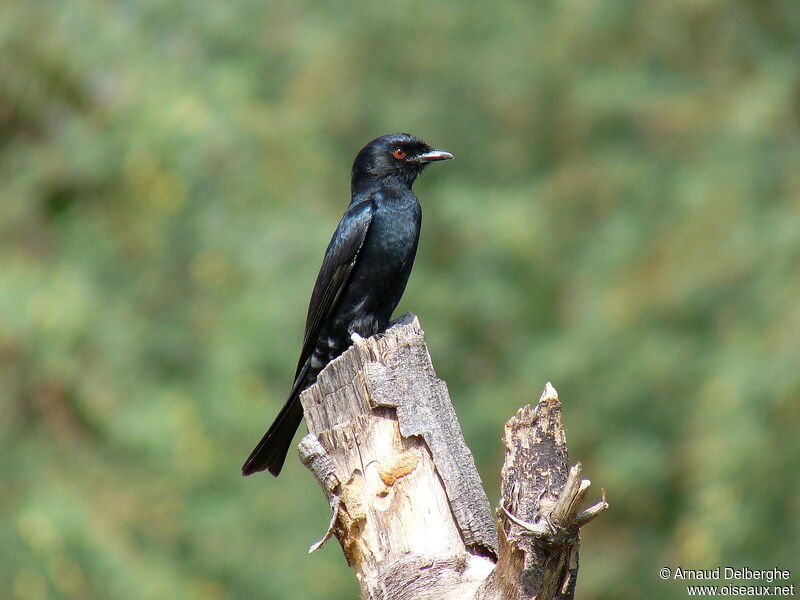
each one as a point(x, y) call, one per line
point(272, 449)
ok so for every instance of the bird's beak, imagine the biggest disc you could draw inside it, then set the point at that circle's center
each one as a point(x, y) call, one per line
point(432, 156)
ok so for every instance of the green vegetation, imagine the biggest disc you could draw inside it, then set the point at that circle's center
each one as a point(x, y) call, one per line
point(622, 218)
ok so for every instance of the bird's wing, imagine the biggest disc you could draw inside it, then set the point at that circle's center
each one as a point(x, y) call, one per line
point(340, 258)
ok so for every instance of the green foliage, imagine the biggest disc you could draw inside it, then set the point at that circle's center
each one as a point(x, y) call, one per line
point(622, 219)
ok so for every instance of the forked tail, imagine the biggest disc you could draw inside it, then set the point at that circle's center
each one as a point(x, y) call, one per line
point(271, 451)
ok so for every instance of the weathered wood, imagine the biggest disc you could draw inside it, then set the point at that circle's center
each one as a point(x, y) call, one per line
point(407, 504)
point(539, 512)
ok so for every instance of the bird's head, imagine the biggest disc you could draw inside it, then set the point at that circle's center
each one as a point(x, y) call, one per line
point(396, 156)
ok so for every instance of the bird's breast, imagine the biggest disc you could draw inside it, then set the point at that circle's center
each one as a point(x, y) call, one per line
point(385, 261)
point(379, 276)
point(393, 235)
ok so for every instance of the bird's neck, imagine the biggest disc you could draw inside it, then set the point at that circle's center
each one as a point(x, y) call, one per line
point(366, 183)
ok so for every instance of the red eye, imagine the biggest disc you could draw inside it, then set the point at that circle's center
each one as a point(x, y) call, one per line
point(399, 153)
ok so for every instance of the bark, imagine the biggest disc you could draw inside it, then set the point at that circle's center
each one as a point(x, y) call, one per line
point(407, 504)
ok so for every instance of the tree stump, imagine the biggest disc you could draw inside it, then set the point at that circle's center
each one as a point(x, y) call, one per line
point(407, 504)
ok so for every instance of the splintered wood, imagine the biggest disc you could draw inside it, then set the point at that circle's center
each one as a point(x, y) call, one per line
point(539, 511)
point(407, 504)
point(408, 507)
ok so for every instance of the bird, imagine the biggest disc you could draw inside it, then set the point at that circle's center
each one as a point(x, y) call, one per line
point(363, 274)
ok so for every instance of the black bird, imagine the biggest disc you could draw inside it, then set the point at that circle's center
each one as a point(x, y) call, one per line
point(363, 274)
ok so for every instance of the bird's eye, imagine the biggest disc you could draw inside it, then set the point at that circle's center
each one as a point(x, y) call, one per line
point(399, 153)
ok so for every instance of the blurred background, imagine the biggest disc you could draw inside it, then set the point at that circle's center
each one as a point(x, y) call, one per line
point(622, 219)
